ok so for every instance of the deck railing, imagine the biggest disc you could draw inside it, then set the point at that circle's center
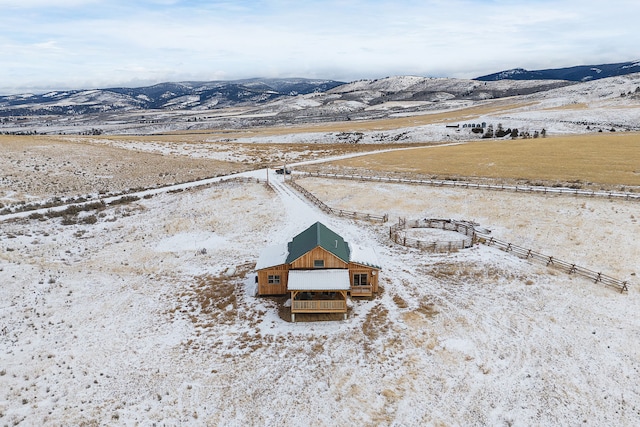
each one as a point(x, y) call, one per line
point(361, 291)
point(319, 306)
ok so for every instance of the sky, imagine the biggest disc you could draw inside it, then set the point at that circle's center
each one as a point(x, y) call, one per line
point(83, 44)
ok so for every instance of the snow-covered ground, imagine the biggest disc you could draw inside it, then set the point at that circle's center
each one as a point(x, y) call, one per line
point(148, 316)
point(145, 314)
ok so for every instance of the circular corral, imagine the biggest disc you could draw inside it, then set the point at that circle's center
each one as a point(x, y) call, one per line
point(404, 233)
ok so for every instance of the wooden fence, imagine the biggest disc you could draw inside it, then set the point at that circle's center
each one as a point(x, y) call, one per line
point(474, 234)
point(464, 184)
point(398, 234)
point(60, 204)
point(337, 212)
point(550, 261)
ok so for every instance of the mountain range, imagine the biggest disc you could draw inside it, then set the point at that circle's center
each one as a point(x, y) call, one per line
point(580, 73)
point(203, 96)
point(162, 96)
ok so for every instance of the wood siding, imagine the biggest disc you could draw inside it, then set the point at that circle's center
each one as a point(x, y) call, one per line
point(306, 260)
point(266, 288)
point(372, 279)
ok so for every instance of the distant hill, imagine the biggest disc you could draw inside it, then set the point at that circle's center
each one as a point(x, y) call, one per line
point(581, 73)
point(163, 96)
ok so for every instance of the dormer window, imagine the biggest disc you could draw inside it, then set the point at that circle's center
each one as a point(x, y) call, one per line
point(318, 263)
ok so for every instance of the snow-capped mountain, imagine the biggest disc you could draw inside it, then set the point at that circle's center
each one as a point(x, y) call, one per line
point(411, 88)
point(579, 73)
point(282, 102)
point(170, 96)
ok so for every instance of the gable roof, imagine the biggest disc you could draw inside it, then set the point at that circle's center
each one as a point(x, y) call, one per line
point(318, 235)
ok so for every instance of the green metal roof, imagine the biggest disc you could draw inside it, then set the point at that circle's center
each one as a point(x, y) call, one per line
point(318, 235)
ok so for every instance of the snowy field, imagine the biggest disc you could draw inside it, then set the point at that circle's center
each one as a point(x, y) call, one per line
point(144, 313)
point(147, 316)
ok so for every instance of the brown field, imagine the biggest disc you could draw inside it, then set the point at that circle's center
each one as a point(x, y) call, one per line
point(357, 125)
point(579, 106)
point(36, 167)
point(39, 167)
point(603, 159)
point(42, 167)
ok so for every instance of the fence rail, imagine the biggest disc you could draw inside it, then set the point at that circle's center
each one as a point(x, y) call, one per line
point(551, 261)
point(475, 236)
point(338, 212)
point(469, 229)
point(86, 202)
point(465, 184)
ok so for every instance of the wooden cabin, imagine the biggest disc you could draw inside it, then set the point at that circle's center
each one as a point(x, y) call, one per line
point(319, 269)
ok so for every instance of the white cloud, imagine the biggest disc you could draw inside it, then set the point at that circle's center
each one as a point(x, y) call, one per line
point(161, 40)
point(28, 4)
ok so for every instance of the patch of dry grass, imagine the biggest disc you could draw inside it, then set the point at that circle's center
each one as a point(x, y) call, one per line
point(606, 159)
point(427, 308)
point(376, 322)
point(459, 274)
point(48, 166)
point(212, 299)
point(400, 302)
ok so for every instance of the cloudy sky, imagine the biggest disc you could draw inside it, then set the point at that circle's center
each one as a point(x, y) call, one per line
point(62, 44)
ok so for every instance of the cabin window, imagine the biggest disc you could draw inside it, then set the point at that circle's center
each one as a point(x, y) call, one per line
point(273, 279)
point(318, 263)
point(360, 279)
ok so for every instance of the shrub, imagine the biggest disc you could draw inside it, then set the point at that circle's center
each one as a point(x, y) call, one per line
point(69, 220)
point(91, 219)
